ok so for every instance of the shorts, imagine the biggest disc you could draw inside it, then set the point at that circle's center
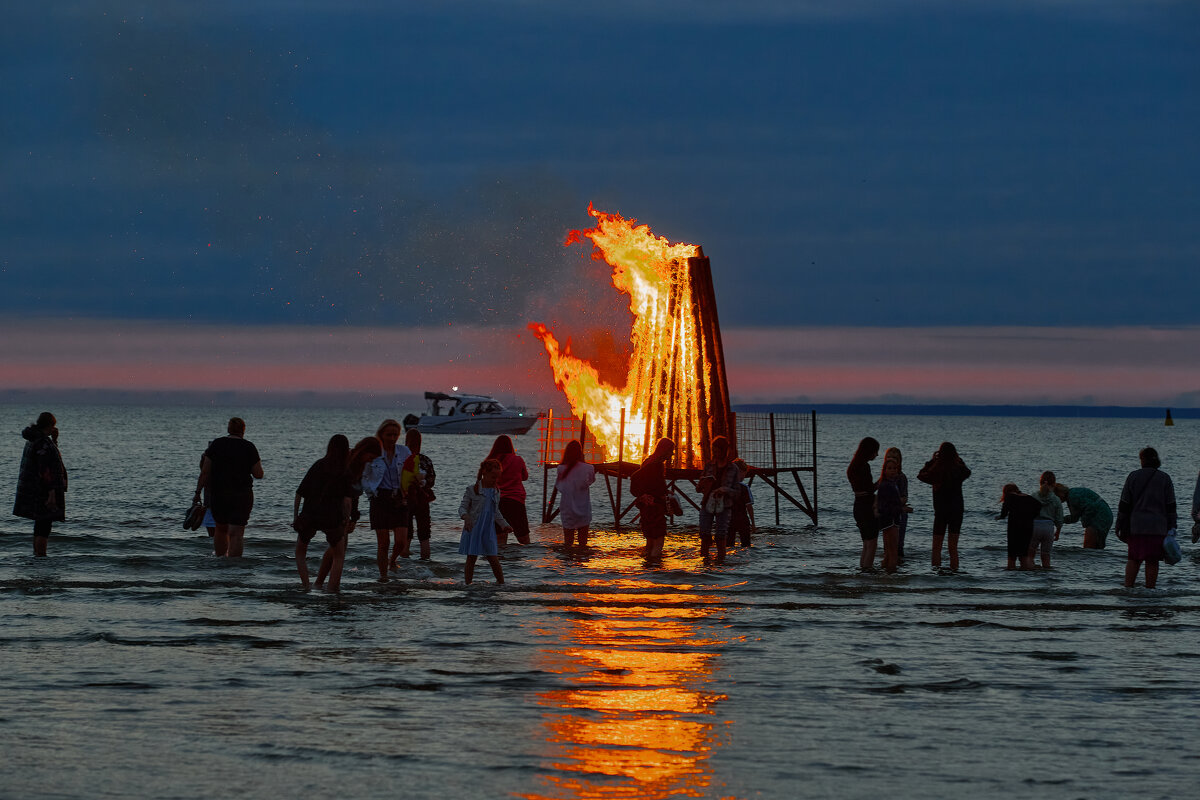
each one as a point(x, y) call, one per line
point(888, 521)
point(231, 509)
point(1043, 537)
point(418, 520)
point(864, 517)
point(388, 511)
point(947, 518)
point(332, 535)
point(514, 511)
point(654, 522)
point(1018, 543)
point(708, 521)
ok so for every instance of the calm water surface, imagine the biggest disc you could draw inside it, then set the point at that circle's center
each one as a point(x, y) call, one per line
point(137, 665)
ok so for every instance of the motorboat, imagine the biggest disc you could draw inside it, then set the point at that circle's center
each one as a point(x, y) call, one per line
point(470, 413)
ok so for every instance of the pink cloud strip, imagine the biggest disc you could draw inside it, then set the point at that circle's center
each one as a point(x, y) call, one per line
point(1125, 366)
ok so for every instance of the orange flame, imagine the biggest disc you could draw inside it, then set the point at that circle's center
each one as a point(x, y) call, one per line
point(653, 272)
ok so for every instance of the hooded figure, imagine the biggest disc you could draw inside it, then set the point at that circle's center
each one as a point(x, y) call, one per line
point(42, 480)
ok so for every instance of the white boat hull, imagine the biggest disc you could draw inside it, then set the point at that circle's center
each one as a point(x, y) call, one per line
point(481, 424)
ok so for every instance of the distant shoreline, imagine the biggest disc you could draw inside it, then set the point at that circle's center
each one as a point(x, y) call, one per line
point(953, 410)
point(414, 401)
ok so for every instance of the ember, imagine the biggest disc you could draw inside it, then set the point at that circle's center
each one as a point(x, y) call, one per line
point(675, 384)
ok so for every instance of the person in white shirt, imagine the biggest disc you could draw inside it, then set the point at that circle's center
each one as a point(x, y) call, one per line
point(575, 476)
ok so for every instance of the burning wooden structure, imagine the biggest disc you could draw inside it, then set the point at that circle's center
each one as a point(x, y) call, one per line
point(676, 384)
point(681, 391)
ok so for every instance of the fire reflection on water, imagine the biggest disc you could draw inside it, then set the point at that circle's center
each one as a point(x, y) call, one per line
point(638, 720)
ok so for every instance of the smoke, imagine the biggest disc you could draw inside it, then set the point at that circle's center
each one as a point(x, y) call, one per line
point(221, 190)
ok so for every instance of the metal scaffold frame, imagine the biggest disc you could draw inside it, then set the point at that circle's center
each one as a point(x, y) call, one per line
point(773, 445)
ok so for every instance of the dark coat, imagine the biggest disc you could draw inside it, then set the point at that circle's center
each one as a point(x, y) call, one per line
point(42, 473)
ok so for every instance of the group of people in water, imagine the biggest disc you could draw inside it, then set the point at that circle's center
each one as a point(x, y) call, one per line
point(1146, 516)
point(399, 480)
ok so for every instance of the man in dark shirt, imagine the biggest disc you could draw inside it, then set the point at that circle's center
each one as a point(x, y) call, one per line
point(229, 469)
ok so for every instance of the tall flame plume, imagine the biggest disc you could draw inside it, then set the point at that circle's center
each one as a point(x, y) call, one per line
point(672, 380)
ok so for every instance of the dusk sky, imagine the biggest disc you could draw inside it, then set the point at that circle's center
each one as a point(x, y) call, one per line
point(875, 182)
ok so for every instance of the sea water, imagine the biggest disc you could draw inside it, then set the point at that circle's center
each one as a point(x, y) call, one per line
point(136, 664)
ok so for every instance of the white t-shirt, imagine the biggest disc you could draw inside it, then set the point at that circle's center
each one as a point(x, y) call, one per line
point(575, 502)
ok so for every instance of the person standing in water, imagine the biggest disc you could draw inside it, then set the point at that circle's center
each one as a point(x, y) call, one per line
point(889, 506)
point(1049, 522)
point(327, 497)
point(858, 473)
point(366, 451)
point(41, 480)
point(416, 481)
point(648, 485)
point(741, 515)
point(1145, 516)
point(228, 470)
point(946, 472)
point(894, 454)
point(573, 480)
point(1020, 510)
point(719, 487)
point(513, 475)
point(481, 516)
point(389, 513)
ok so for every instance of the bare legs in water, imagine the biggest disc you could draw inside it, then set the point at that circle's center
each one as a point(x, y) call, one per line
point(469, 569)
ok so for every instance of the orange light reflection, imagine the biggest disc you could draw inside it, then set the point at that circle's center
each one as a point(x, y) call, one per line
point(638, 717)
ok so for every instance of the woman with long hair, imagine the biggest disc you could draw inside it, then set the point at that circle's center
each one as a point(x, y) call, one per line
point(573, 478)
point(945, 472)
point(894, 454)
point(366, 451)
point(862, 483)
point(389, 513)
point(513, 474)
point(888, 509)
point(326, 496)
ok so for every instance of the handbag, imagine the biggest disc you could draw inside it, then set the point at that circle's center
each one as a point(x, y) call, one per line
point(1172, 552)
point(716, 503)
point(674, 507)
point(194, 517)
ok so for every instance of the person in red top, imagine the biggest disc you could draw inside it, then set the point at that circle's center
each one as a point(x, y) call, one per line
point(513, 474)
